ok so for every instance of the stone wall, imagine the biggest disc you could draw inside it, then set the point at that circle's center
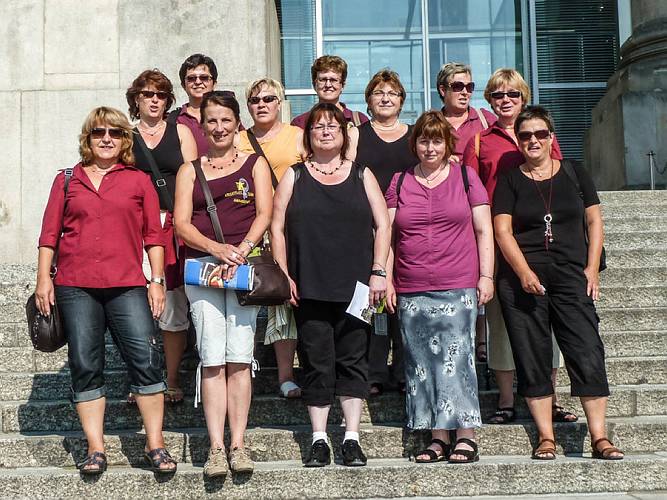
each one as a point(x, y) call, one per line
point(61, 58)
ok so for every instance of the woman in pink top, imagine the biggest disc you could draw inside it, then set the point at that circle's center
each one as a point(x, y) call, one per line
point(442, 270)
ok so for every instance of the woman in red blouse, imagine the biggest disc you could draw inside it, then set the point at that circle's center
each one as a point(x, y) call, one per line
point(99, 216)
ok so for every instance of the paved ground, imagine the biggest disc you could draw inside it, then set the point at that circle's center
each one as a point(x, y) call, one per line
point(638, 495)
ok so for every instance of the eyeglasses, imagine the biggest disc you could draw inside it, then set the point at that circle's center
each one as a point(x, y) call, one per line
point(332, 81)
point(265, 99)
point(100, 132)
point(459, 86)
point(540, 135)
point(512, 94)
point(391, 93)
point(148, 94)
point(326, 128)
point(202, 78)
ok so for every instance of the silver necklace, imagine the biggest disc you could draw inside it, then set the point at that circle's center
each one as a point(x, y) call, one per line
point(153, 130)
point(386, 128)
point(324, 172)
point(428, 181)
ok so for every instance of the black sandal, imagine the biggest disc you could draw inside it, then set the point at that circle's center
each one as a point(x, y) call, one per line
point(95, 458)
point(502, 416)
point(432, 455)
point(560, 414)
point(480, 352)
point(160, 456)
point(471, 455)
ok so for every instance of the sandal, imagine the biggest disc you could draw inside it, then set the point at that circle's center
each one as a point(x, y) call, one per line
point(606, 453)
point(560, 414)
point(432, 454)
point(288, 390)
point(95, 458)
point(173, 396)
point(131, 400)
point(157, 457)
point(376, 389)
point(502, 416)
point(470, 455)
point(549, 450)
point(480, 352)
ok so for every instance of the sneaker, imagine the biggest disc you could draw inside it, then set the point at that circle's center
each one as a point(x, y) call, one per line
point(352, 454)
point(216, 465)
point(320, 454)
point(240, 461)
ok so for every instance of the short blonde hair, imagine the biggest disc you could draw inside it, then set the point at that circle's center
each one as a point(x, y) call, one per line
point(509, 77)
point(256, 87)
point(448, 71)
point(106, 117)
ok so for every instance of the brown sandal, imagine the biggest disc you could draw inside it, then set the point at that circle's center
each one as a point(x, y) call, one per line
point(605, 453)
point(549, 450)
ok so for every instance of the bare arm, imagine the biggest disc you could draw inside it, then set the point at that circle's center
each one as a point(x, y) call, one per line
point(391, 290)
point(261, 176)
point(353, 134)
point(299, 144)
point(513, 255)
point(44, 292)
point(281, 199)
point(377, 284)
point(595, 230)
point(188, 144)
point(481, 221)
point(156, 292)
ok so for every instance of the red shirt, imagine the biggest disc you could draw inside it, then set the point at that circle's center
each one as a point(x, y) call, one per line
point(470, 127)
point(497, 153)
point(103, 231)
point(300, 121)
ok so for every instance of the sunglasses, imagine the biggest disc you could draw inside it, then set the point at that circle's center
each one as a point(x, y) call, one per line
point(265, 99)
point(513, 94)
point(459, 86)
point(114, 133)
point(202, 78)
point(540, 135)
point(148, 94)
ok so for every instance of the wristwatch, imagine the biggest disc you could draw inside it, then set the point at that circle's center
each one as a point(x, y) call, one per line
point(379, 272)
point(159, 280)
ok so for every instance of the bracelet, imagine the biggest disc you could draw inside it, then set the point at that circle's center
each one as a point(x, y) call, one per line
point(485, 276)
point(250, 244)
point(158, 280)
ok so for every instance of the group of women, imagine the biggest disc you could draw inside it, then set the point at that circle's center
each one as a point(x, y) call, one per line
point(404, 209)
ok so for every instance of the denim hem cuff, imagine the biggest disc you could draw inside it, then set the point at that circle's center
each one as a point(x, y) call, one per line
point(148, 389)
point(91, 395)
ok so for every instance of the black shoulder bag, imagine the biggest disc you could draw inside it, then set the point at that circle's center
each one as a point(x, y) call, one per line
point(270, 286)
point(46, 332)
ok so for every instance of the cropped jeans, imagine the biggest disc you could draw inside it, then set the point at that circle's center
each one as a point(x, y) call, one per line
point(86, 313)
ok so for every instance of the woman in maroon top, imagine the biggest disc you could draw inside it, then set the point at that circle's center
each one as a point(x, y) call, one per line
point(240, 185)
point(99, 216)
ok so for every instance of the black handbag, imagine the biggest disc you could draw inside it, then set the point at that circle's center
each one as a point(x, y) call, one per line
point(270, 285)
point(46, 332)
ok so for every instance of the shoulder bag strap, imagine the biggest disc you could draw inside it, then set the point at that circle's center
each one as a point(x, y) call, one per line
point(482, 119)
point(478, 140)
point(355, 118)
point(399, 183)
point(210, 204)
point(572, 174)
point(464, 175)
point(160, 183)
point(258, 149)
point(68, 172)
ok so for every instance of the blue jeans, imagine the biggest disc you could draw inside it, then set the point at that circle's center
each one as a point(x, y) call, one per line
point(86, 314)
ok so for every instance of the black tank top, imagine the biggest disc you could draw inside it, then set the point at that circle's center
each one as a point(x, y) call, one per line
point(329, 232)
point(384, 158)
point(168, 157)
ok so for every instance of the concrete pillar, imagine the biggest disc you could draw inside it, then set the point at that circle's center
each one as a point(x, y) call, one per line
point(631, 119)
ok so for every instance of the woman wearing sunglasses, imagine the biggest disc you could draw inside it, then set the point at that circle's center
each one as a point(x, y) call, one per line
point(281, 145)
point(110, 212)
point(492, 152)
point(169, 145)
point(549, 229)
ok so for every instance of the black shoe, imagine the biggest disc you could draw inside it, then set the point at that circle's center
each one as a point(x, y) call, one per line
point(320, 455)
point(352, 454)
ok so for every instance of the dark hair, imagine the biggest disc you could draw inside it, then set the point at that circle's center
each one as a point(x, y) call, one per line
point(329, 63)
point(223, 98)
point(534, 113)
point(385, 76)
point(149, 77)
point(433, 124)
point(197, 60)
point(331, 110)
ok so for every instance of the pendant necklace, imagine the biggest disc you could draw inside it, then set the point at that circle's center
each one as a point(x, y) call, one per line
point(548, 234)
point(428, 181)
point(386, 128)
point(229, 164)
point(155, 129)
point(324, 172)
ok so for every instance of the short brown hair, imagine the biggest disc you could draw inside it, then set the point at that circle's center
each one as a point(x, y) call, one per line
point(385, 76)
point(331, 111)
point(448, 71)
point(224, 98)
point(510, 77)
point(431, 125)
point(329, 63)
point(106, 117)
point(149, 77)
point(534, 113)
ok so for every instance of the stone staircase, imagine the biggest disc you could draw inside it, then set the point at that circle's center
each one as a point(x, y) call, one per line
point(40, 438)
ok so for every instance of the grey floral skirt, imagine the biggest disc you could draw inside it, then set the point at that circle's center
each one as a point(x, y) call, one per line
point(438, 330)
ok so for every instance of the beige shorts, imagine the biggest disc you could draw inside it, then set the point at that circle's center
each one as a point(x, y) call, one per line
point(280, 324)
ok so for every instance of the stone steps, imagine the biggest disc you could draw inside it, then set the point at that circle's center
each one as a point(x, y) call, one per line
point(383, 478)
point(633, 197)
point(618, 240)
point(65, 449)
point(631, 224)
point(620, 277)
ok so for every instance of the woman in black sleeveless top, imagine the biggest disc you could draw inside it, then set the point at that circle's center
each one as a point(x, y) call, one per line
point(149, 98)
point(322, 234)
point(383, 146)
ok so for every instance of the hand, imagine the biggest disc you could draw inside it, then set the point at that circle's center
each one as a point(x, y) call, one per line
point(44, 295)
point(294, 294)
point(378, 289)
point(228, 254)
point(229, 272)
point(484, 290)
point(531, 283)
point(391, 296)
point(156, 299)
point(593, 286)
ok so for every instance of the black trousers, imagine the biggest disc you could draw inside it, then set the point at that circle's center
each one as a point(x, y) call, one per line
point(571, 313)
point(378, 352)
point(333, 350)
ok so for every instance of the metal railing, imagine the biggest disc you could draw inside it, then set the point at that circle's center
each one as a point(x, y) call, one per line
point(653, 168)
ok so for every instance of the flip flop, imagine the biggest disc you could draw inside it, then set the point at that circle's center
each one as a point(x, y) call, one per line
point(287, 387)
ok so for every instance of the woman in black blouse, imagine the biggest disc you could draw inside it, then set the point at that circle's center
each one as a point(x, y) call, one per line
point(549, 279)
point(383, 146)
